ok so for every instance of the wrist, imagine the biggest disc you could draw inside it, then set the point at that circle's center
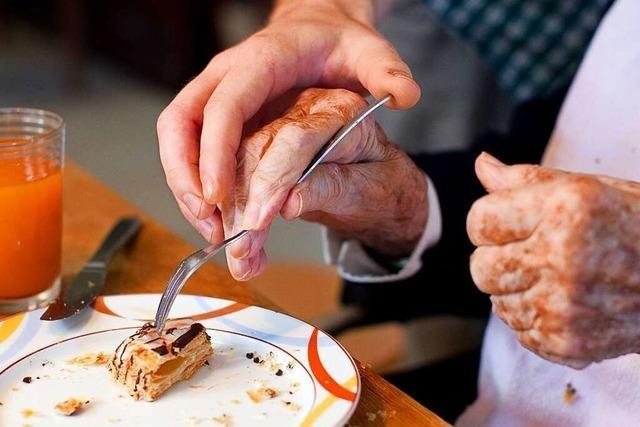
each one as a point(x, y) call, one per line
point(399, 233)
point(363, 11)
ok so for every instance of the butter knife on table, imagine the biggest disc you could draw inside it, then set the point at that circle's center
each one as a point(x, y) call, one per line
point(88, 284)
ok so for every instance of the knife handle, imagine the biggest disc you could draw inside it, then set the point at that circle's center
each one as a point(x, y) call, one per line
point(119, 235)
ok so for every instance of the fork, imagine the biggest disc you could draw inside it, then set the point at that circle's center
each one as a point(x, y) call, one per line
point(190, 264)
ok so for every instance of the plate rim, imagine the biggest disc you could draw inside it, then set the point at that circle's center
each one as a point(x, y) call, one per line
point(342, 421)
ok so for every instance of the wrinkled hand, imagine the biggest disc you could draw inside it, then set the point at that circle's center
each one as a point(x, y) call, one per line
point(560, 255)
point(330, 44)
point(367, 189)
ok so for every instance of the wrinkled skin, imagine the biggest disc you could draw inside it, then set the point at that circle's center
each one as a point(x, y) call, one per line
point(306, 43)
point(367, 189)
point(559, 253)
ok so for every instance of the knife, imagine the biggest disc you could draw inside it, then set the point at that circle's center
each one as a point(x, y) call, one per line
point(88, 284)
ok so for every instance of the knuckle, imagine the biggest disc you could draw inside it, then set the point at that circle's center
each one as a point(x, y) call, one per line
point(293, 136)
point(576, 199)
point(475, 220)
point(335, 187)
point(350, 98)
point(167, 117)
point(265, 183)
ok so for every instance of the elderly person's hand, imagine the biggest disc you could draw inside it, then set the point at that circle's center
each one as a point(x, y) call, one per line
point(329, 43)
point(367, 189)
point(559, 253)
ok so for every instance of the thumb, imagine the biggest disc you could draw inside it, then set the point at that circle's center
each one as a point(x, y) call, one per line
point(319, 192)
point(495, 175)
point(381, 71)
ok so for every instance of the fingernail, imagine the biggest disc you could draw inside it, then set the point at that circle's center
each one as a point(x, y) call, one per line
point(400, 73)
point(205, 228)
point(251, 216)
point(491, 160)
point(242, 247)
point(243, 266)
point(208, 188)
point(299, 202)
point(193, 202)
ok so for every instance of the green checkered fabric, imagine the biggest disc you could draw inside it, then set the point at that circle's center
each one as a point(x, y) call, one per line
point(533, 46)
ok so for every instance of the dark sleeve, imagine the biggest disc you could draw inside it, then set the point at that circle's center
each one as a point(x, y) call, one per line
point(444, 285)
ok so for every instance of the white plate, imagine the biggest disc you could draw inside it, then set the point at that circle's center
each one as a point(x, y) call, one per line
point(319, 385)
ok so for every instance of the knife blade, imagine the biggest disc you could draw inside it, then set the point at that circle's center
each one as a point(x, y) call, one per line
point(88, 284)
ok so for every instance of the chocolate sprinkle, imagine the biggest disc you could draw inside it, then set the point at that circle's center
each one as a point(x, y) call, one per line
point(279, 372)
point(249, 355)
point(188, 336)
point(161, 350)
point(27, 380)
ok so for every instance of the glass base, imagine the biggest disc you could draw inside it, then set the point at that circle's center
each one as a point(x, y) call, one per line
point(16, 305)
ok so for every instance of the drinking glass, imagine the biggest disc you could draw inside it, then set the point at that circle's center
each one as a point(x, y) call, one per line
point(31, 161)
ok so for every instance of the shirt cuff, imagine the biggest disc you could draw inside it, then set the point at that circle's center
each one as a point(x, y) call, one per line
point(355, 265)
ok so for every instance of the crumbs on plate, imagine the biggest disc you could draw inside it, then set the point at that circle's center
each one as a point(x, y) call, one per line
point(270, 360)
point(28, 413)
point(260, 394)
point(89, 359)
point(570, 394)
point(223, 419)
point(290, 405)
point(70, 406)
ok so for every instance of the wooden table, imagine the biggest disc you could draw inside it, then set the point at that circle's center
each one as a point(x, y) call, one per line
point(90, 208)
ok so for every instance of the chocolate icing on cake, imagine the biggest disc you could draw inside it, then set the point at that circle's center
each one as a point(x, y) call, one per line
point(139, 361)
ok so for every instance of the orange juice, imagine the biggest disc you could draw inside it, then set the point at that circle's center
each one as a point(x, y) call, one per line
point(30, 223)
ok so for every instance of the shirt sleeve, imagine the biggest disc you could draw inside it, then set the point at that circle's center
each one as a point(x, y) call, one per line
point(355, 265)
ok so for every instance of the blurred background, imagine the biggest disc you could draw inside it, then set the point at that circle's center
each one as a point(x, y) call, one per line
point(109, 68)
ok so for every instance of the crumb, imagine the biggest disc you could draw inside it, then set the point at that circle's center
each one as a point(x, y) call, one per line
point(261, 394)
point(14, 389)
point(206, 362)
point(28, 413)
point(195, 386)
point(279, 373)
point(371, 416)
point(27, 380)
point(114, 420)
point(365, 365)
point(89, 359)
point(235, 401)
point(249, 355)
point(570, 394)
point(384, 414)
point(291, 364)
point(194, 421)
point(70, 406)
point(46, 362)
point(293, 406)
point(223, 419)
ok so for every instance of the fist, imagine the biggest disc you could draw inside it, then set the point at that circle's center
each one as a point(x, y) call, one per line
point(559, 253)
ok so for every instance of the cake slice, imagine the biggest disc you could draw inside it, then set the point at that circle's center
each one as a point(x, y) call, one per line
point(147, 363)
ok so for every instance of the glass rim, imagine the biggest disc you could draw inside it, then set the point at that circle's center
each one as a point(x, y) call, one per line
point(55, 130)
